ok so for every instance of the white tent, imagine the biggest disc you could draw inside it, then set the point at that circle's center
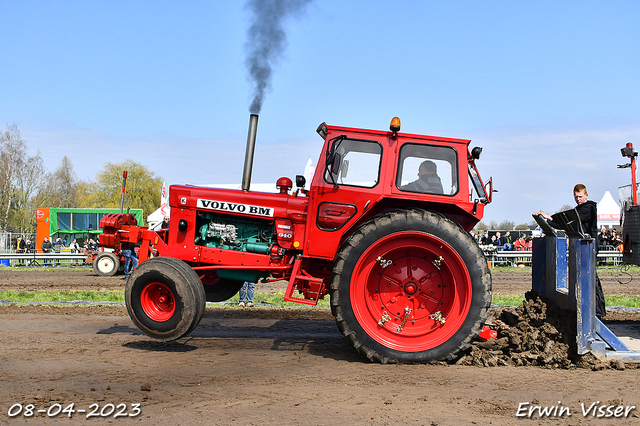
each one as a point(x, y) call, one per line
point(154, 220)
point(608, 211)
point(309, 171)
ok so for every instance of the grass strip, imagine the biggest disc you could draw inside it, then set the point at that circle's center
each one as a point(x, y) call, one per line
point(610, 300)
point(258, 297)
point(622, 300)
point(60, 296)
point(118, 296)
point(507, 299)
point(62, 265)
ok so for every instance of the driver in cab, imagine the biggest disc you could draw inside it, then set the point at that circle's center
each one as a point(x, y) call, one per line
point(428, 180)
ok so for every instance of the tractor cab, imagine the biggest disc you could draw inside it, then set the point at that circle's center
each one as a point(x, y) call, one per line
point(363, 173)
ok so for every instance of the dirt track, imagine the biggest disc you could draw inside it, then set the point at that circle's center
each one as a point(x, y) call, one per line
point(266, 366)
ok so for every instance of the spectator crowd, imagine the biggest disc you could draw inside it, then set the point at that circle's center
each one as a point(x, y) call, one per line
point(608, 239)
point(507, 242)
point(24, 245)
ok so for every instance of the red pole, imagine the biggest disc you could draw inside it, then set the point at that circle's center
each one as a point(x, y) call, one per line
point(124, 183)
point(633, 175)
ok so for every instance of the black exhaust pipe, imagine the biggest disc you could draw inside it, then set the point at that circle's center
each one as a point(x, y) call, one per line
point(248, 155)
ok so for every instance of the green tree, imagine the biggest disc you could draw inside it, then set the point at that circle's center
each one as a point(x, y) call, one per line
point(142, 189)
point(523, 227)
point(83, 194)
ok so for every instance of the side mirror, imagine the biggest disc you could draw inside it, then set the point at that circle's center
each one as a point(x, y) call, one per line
point(300, 181)
point(335, 164)
point(488, 189)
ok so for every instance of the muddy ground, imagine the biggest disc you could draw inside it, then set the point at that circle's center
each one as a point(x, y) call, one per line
point(272, 366)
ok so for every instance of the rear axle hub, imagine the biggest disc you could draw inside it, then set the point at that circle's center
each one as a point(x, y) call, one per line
point(410, 288)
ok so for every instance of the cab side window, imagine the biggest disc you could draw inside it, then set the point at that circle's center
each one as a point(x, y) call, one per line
point(428, 169)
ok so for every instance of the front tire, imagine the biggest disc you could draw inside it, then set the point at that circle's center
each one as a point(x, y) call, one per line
point(410, 286)
point(106, 264)
point(165, 298)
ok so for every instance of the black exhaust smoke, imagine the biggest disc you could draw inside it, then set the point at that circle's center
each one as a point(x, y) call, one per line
point(248, 155)
point(266, 40)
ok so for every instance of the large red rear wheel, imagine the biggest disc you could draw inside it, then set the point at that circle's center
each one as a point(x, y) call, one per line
point(410, 286)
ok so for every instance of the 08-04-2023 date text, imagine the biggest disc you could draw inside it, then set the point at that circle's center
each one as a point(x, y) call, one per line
point(58, 410)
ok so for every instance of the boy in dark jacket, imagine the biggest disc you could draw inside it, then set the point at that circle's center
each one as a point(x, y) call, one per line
point(588, 212)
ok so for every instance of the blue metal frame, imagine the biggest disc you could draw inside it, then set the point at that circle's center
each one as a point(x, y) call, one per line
point(568, 279)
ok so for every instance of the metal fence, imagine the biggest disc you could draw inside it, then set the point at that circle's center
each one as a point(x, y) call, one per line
point(514, 258)
point(44, 259)
point(8, 240)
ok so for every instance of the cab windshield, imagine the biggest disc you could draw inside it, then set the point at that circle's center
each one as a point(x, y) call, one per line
point(353, 162)
point(476, 182)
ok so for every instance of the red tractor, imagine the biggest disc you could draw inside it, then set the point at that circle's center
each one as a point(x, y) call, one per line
point(108, 263)
point(383, 229)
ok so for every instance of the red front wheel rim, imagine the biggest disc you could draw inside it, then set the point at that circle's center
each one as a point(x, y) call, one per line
point(410, 291)
point(158, 302)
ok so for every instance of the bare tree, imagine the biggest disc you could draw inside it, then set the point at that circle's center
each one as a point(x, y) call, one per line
point(62, 186)
point(21, 178)
point(30, 182)
point(565, 207)
point(481, 226)
point(12, 157)
point(506, 225)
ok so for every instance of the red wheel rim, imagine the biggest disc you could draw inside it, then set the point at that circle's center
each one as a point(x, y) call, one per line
point(158, 302)
point(402, 305)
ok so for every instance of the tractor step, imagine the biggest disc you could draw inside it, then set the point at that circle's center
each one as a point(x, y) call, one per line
point(300, 280)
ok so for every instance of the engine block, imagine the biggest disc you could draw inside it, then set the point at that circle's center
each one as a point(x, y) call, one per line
point(234, 233)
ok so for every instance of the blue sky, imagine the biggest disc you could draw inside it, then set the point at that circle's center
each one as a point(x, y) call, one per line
point(549, 89)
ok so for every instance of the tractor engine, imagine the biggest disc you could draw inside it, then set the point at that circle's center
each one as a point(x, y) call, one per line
point(234, 233)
